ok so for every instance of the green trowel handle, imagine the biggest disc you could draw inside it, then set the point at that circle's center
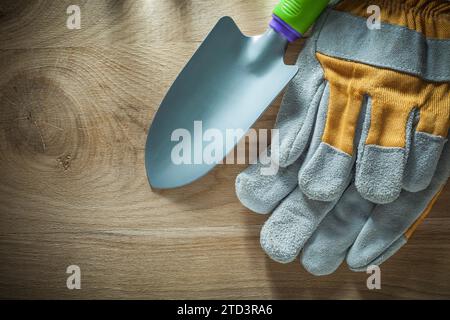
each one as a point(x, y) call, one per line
point(300, 14)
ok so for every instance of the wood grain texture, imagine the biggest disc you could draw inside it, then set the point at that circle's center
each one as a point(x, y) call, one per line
point(75, 107)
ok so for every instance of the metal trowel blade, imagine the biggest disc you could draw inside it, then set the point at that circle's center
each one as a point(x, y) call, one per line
point(227, 84)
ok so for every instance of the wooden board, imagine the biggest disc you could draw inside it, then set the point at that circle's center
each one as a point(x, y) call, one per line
point(75, 107)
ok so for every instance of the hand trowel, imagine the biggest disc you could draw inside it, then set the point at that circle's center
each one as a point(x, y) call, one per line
point(225, 87)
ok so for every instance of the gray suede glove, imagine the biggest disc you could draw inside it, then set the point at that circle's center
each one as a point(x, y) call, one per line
point(328, 232)
point(333, 196)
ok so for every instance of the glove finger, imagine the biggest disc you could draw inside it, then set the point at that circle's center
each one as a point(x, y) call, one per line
point(380, 169)
point(324, 177)
point(327, 248)
point(391, 225)
point(262, 193)
point(326, 174)
point(400, 242)
point(423, 158)
point(295, 120)
point(291, 225)
point(426, 149)
point(387, 227)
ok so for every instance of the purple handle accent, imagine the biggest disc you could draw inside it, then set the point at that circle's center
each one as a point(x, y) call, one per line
point(284, 29)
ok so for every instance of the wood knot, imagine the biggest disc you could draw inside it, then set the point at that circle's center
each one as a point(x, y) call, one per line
point(64, 161)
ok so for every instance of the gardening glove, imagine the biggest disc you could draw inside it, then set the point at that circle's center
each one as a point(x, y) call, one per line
point(396, 79)
point(328, 232)
point(302, 122)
